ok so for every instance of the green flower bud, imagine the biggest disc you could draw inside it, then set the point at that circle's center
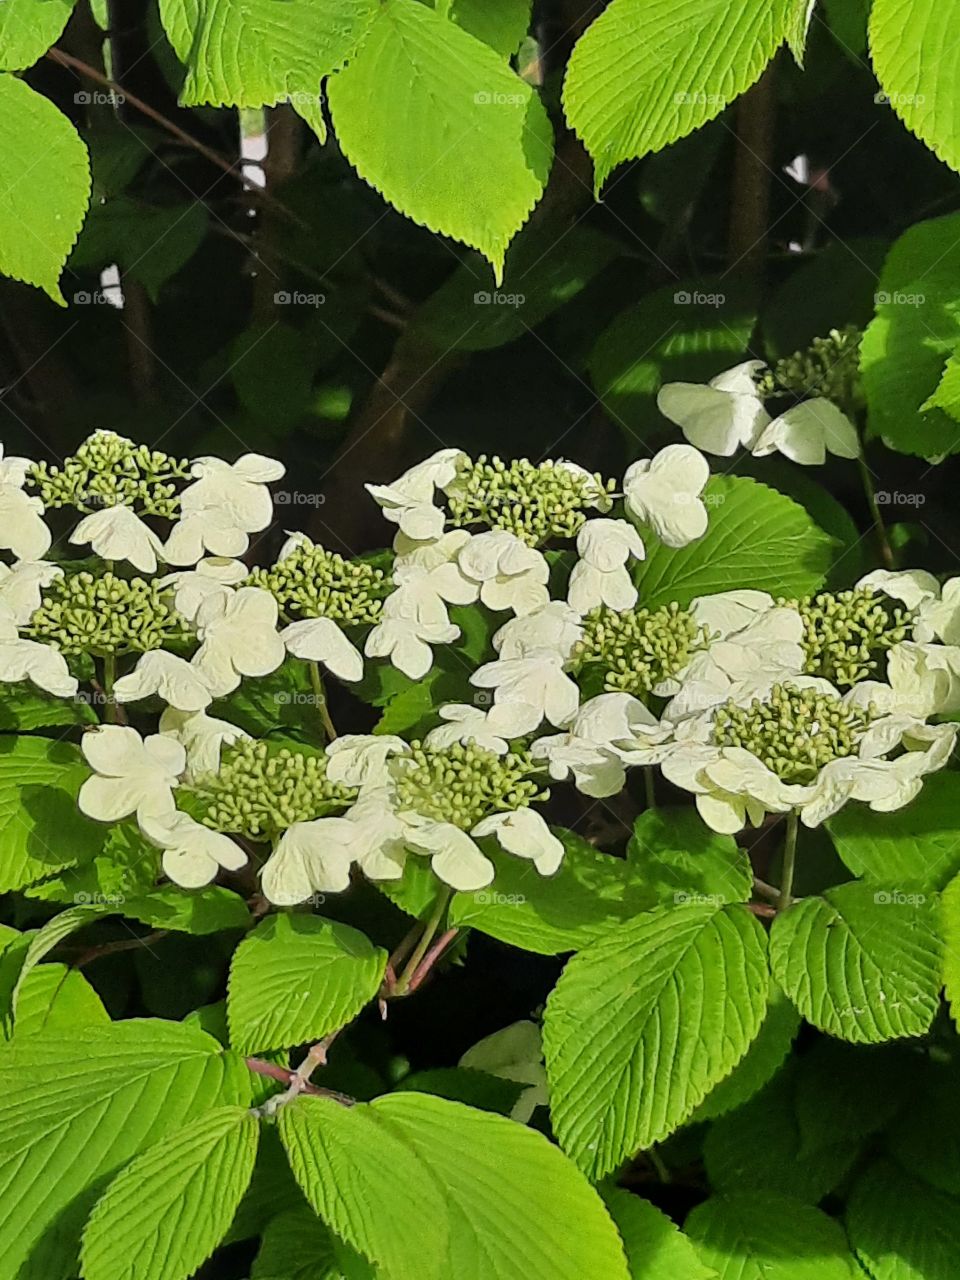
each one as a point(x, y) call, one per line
point(638, 649)
point(463, 783)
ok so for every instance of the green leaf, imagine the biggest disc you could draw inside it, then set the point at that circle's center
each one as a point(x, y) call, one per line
point(163, 1216)
point(900, 1229)
point(860, 963)
point(846, 1094)
point(198, 911)
point(57, 999)
point(676, 854)
point(916, 327)
point(273, 1190)
point(272, 370)
point(50, 936)
point(125, 867)
point(916, 60)
point(25, 707)
point(106, 1094)
point(924, 1138)
point(501, 24)
point(914, 846)
point(463, 1084)
point(149, 243)
point(296, 1246)
point(643, 1023)
point(44, 187)
point(755, 535)
point(947, 394)
point(41, 828)
point(591, 894)
point(686, 332)
point(297, 978)
point(647, 72)
point(766, 1237)
point(950, 930)
point(28, 28)
point(252, 53)
point(442, 128)
point(763, 1060)
point(656, 1249)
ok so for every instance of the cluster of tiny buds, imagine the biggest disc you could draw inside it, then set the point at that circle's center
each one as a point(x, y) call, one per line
point(108, 471)
point(638, 649)
point(104, 614)
point(311, 582)
point(260, 790)
point(463, 783)
point(534, 501)
point(795, 732)
point(829, 367)
point(847, 634)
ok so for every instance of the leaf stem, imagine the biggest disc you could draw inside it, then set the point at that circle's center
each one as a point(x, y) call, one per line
point(656, 1159)
point(403, 983)
point(886, 550)
point(320, 694)
point(789, 861)
point(111, 709)
point(649, 786)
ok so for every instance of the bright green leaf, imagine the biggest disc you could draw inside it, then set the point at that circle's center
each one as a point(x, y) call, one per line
point(900, 1229)
point(766, 1237)
point(676, 854)
point(197, 911)
point(501, 24)
point(947, 394)
point(656, 1249)
point(296, 1246)
point(26, 707)
point(763, 1060)
point(28, 28)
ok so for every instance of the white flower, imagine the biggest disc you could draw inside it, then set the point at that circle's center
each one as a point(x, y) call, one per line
point(922, 680)
point(721, 416)
point(665, 493)
point(593, 493)
point(132, 774)
point(22, 659)
point(510, 574)
point(379, 844)
point(941, 618)
point(600, 576)
point(21, 586)
point(178, 682)
point(321, 640)
point(192, 853)
point(465, 724)
point(310, 857)
point(210, 529)
point(425, 570)
point(525, 834)
point(516, 1054)
point(226, 502)
point(202, 737)
point(117, 533)
point(214, 575)
point(732, 787)
point(554, 626)
point(238, 637)
point(590, 748)
point(409, 501)
point(913, 586)
point(360, 759)
point(527, 692)
point(725, 612)
point(807, 432)
point(406, 643)
point(454, 855)
point(22, 529)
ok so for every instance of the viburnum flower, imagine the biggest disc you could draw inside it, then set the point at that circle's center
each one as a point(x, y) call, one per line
point(936, 608)
point(210, 529)
point(600, 576)
point(409, 500)
point(22, 529)
point(21, 586)
point(464, 723)
point(238, 637)
point(722, 416)
point(455, 857)
point(516, 1054)
point(360, 759)
point(226, 502)
point(525, 834)
point(433, 568)
point(178, 682)
point(118, 533)
point(808, 431)
point(922, 680)
point(23, 659)
point(321, 640)
point(664, 492)
point(555, 626)
point(406, 642)
point(510, 574)
point(605, 732)
point(527, 691)
point(310, 857)
point(192, 853)
point(203, 737)
point(725, 612)
point(212, 576)
point(131, 774)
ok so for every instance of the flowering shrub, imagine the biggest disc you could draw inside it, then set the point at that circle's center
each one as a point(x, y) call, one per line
point(467, 726)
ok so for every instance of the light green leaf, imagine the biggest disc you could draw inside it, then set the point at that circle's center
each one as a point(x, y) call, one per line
point(860, 963)
point(125, 867)
point(766, 1237)
point(162, 1217)
point(149, 243)
point(501, 24)
point(656, 1249)
point(296, 1246)
point(763, 1060)
point(467, 1085)
point(442, 128)
point(643, 1023)
point(50, 936)
point(685, 332)
point(900, 1229)
point(297, 978)
point(915, 846)
point(647, 72)
point(675, 853)
point(591, 894)
point(106, 1094)
point(57, 999)
point(915, 57)
point(28, 28)
point(755, 535)
point(197, 911)
point(950, 930)
point(947, 394)
point(905, 347)
point(44, 187)
point(252, 53)
point(26, 707)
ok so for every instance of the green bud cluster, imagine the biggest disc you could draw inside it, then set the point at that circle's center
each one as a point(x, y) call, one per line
point(103, 614)
point(311, 582)
point(795, 732)
point(464, 782)
point(110, 471)
point(639, 648)
point(847, 634)
point(536, 502)
point(259, 791)
point(830, 367)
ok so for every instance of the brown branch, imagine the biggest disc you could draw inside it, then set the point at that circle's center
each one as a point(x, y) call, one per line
point(752, 171)
point(286, 1076)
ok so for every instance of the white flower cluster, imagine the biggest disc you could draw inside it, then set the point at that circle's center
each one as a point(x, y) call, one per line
point(753, 705)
